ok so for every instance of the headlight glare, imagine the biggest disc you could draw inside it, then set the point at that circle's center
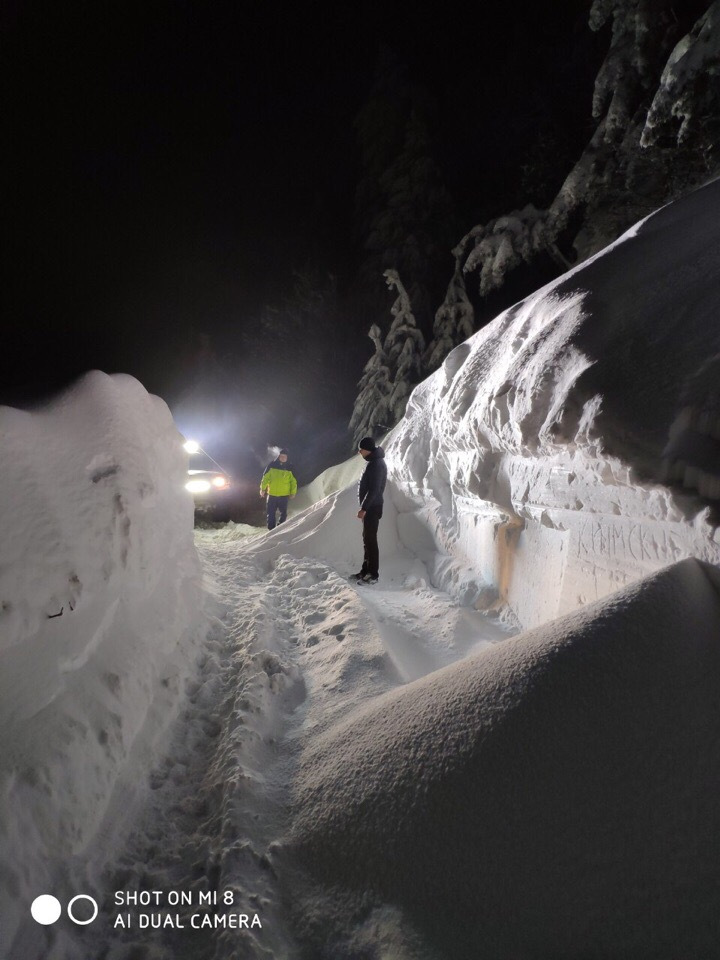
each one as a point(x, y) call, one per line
point(197, 486)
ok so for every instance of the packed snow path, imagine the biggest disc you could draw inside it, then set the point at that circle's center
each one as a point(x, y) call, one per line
point(295, 646)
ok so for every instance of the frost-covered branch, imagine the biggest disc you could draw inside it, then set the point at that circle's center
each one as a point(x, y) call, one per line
point(392, 371)
point(657, 103)
point(454, 321)
point(687, 99)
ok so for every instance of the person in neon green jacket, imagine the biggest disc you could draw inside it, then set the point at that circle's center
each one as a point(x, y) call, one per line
point(279, 485)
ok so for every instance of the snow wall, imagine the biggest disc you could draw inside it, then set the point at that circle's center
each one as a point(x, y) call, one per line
point(99, 600)
point(573, 445)
point(553, 796)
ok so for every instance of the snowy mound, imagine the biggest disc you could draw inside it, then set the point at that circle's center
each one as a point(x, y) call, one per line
point(99, 592)
point(549, 451)
point(330, 481)
point(553, 796)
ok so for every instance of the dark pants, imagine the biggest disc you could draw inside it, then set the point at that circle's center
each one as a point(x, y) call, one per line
point(274, 504)
point(371, 561)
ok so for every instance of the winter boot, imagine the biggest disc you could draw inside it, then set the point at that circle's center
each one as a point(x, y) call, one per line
point(367, 578)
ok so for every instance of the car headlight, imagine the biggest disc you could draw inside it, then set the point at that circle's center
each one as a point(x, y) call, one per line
point(219, 482)
point(197, 486)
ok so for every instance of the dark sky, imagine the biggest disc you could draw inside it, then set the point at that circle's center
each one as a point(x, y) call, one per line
point(165, 165)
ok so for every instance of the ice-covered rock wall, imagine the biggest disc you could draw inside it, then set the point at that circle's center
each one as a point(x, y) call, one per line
point(572, 446)
point(99, 591)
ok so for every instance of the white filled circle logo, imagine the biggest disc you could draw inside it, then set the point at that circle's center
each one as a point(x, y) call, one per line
point(47, 909)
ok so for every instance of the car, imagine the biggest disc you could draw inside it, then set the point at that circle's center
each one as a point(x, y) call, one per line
point(211, 488)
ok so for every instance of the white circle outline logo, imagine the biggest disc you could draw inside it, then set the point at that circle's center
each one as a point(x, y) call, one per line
point(82, 896)
point(46, 909)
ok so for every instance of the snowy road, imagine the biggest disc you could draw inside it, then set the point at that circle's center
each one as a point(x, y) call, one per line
point(294, 648)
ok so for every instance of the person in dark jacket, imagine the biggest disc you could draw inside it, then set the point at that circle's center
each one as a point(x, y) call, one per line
point(370, 495)
point(278, 484)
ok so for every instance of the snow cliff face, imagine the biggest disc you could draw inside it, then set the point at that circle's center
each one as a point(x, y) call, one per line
point(547, 456)
point(99, 593)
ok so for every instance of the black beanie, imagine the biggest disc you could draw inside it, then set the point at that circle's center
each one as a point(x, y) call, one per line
point(285, 452)
point(367, 443)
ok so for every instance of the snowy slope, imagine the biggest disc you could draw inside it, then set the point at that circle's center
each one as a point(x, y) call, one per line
point(99, 597)
point(537, 454)
point(328, 482)
point(553, 796)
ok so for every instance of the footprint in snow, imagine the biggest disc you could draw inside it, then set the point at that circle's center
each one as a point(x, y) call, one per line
point(316, 617)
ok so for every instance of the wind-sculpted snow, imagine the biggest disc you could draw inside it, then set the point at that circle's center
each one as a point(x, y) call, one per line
point(330, 481)
point(553, 796)
point(540, 453)
point(99, 595)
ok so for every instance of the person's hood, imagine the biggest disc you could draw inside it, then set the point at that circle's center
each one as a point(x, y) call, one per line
point(377, 454)
point(281, 466)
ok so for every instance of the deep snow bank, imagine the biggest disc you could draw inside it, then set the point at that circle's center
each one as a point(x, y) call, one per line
point(537, 455)
point(330, 481)
point(99, 591)
point(552, 796)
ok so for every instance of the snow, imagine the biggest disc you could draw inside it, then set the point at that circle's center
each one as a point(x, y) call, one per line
point(655, 100)
point(329, 481)
point(550, 796)
point(390, 373)
point(508, 747)
point(99, 584)
point(454, 321)
point(681, 93)
point(536, 455)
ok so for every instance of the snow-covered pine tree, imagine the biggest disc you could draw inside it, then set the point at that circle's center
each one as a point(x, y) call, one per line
point(657, 107)
point(405, 215)
point(403, 326)
point(371, 412)
point(454, 321)
point(405, 378)
point(392, 371)
point(686, 105)
point(404, 348)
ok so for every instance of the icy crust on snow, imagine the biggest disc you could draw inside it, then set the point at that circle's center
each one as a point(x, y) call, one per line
point(554, 795)
point(537, 459)
point(99, 601)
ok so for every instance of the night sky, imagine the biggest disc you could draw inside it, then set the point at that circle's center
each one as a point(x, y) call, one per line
point(167, 165)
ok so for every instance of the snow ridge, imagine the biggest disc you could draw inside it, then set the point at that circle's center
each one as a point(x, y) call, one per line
point(538, 455)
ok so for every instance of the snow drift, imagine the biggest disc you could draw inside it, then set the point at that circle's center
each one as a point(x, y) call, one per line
point(539, 455)
point(554, 795)
point(99, 593)
point(330, 481)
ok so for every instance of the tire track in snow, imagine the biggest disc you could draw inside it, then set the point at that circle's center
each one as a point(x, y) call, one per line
point(298, 648)
point(218, 796)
